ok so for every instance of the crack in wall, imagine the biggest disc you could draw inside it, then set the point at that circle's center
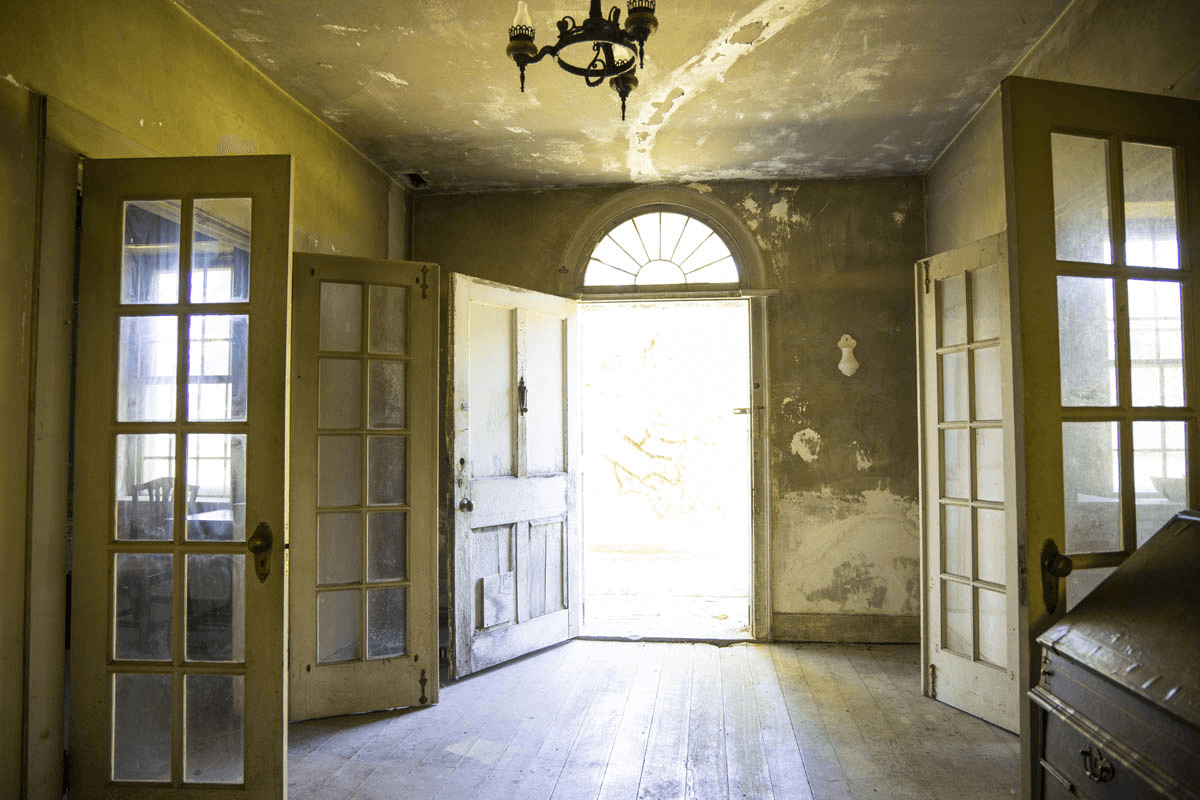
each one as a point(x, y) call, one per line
point(709, 66)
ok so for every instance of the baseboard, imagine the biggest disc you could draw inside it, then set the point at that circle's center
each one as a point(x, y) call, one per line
point(869, 628)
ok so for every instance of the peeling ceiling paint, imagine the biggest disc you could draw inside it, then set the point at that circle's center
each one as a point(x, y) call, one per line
point(731, 89)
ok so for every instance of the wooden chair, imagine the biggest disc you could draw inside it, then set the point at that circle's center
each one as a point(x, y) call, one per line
point(151, 518)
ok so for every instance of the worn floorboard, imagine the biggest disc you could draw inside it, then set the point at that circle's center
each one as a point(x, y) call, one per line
point(594, 720)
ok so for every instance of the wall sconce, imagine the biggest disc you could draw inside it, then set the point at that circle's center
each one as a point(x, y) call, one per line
point(849, 364)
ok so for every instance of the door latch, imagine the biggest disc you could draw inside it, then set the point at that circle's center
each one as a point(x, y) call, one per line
point(259, 544)
point(1055, 565)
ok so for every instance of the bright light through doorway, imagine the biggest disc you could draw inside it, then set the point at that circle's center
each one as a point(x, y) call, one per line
point(666, 458)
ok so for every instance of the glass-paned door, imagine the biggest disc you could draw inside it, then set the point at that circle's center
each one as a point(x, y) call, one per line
point(969, 529)
point(1103, 226)
point(177, 619)
point(364, 494)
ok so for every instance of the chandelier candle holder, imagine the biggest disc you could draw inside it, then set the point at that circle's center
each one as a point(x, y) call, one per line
point(599, 49)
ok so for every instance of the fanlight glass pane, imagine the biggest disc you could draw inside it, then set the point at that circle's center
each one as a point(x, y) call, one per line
point(1151, 226)
point(660, 248)
point(1081, 213)
point(221, 250)
point(150, 252)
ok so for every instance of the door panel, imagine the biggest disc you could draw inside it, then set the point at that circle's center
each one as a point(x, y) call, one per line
point(517, 559)
point(177, 649)
point(363, 587)
point(1103, 226)
point(969, 535)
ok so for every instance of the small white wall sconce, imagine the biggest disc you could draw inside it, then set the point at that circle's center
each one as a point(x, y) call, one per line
point(849, 364)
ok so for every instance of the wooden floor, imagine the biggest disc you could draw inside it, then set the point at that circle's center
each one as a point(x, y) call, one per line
point(594, 719)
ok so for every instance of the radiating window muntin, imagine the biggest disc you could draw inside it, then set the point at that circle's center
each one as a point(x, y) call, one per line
point(661, 248)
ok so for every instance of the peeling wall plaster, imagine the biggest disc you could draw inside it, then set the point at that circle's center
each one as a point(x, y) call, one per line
point(846, 553)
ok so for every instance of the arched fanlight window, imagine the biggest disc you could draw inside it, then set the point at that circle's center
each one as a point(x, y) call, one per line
point(660, 248)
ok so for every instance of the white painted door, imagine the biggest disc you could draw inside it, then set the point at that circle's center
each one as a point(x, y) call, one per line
point(969, 532)
point(514, 450)
point(177, 626)
point(1104, 228)
point(363, 590)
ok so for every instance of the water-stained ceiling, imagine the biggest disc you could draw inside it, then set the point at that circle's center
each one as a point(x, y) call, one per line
point(731, 89)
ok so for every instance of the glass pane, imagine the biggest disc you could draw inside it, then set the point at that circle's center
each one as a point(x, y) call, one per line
point(993, 627)
point(221, 250)
point(341, 317)
point(1159, 474)
point(989, 385)
point(150, 252)
point(1081, 582)
point(388, 331)
point(600, 274)
point(1081, 214)
point(146, 376)
point(1151, 226)
point(145, 486)
point(956, 540)
point(216, 485)
point(339, 471)
point(723, 271)
point(338, 633)
point(141, 727)
point(339, 401)
point(989, 465)
point(339, 549)
point(214, 706)
point(217, 358)
point(1086, 341)
point(387, 470)
point(1156, 343)
point(660, 272)
point(386, 622)
point(609, 254)
point(1091, 487)
point(387, 546)
point(956, 618)
point(649, 227)
point(216, 610)
point(143, 584)
point(987, 303)
point(952, 309)
point(955, 389)
point(989, 532)
point(626, 238)
point(956, 468)
point(387, 394)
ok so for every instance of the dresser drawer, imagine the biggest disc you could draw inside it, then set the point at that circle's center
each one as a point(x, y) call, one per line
point(1093, 770)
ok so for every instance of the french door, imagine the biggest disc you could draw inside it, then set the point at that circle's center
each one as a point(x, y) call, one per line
point(363, 593)
point(1104, 229)
point(177, 627)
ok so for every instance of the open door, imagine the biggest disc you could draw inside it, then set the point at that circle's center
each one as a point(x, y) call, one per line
point(517, 559)
point(177, 618)
point(970, 645)
point(363, 589)
point(1104, 232)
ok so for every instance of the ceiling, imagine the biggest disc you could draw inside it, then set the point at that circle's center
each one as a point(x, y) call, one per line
point(731, 89)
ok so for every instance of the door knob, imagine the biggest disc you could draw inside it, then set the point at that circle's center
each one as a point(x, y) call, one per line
point(259, 544)
point(1055, 565)
point(466, 505)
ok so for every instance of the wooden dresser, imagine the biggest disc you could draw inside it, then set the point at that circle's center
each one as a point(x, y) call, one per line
point(1120, 682)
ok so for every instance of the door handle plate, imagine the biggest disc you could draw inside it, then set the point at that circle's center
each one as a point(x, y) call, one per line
point(260, 545)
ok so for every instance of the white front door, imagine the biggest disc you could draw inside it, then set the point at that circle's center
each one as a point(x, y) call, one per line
point(363, 590)
point(969, 535)
point(514, 451)
point(177, 619)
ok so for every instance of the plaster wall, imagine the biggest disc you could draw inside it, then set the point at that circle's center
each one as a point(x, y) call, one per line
point(843, 504)
point(1144, 46)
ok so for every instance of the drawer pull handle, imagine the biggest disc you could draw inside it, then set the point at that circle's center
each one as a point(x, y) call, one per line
point(1097, 767)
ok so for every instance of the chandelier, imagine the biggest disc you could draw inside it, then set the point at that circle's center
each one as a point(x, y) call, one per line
point(599, 49)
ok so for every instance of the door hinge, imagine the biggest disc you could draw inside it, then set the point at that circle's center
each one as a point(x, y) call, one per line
point(66, 776)
point(933, 681)
point(424, 680)
point(925, 272)
point(423, 282)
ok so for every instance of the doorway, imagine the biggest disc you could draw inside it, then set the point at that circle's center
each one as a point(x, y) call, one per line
point(666, 468)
